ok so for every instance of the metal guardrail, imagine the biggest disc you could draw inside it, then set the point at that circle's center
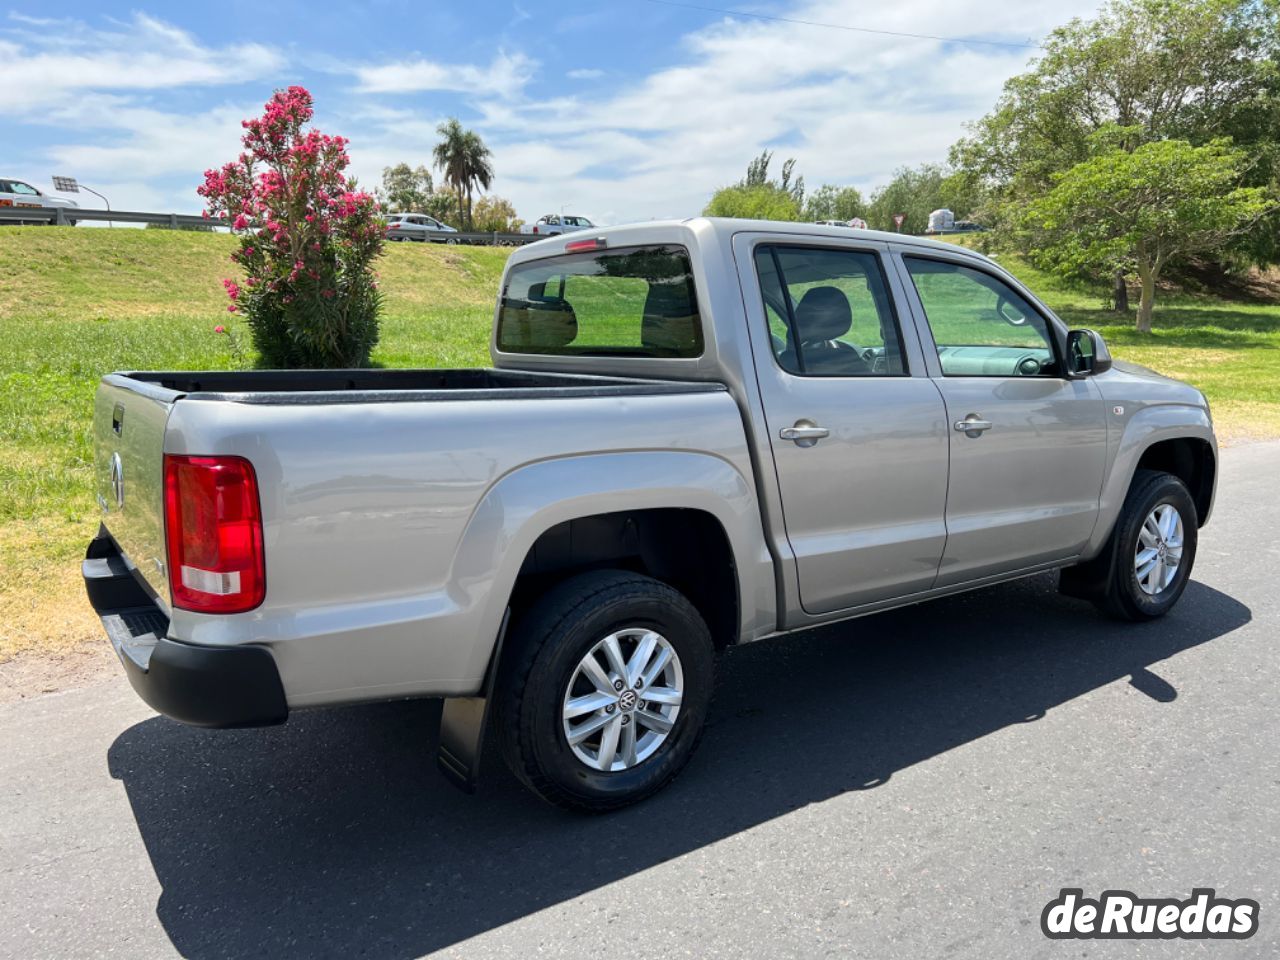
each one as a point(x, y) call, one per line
point(69, 216)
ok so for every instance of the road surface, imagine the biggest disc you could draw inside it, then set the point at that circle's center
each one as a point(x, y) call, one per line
point(918, 784)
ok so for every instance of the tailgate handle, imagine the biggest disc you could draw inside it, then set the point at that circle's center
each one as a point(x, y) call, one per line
point(117, 418)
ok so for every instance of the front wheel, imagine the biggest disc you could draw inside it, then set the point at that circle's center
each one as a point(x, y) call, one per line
point(604, 694)
point(1155, 547)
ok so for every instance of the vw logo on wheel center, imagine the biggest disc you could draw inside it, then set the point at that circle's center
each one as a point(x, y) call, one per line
point(627, 701)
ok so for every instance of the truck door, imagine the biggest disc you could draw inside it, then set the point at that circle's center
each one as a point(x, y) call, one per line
point(857, 430)
point(1028, 446)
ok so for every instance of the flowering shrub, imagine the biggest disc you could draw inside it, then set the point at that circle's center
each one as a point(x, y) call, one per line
point(308, 240)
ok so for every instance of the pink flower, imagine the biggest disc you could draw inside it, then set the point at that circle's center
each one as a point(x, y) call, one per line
point(232, 288)
point(240, 222)
point(219, 329)
point(231, 308)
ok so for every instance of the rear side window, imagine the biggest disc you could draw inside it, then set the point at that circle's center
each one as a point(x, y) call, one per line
point(629, 302)
point(829, 312)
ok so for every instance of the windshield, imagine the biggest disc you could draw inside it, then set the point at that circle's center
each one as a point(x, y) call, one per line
point(630, 302)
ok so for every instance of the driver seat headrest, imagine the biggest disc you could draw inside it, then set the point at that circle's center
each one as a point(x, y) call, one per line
point(823, 313)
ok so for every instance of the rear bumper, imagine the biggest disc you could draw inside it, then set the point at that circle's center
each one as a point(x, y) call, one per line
point(201, 685)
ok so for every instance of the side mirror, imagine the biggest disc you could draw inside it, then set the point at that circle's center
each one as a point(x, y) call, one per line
point(1087, 354)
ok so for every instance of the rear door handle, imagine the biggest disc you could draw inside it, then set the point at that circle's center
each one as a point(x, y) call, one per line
point(972, 425)
point(805, 433)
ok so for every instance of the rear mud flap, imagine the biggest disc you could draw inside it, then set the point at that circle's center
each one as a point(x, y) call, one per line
point(462, 726)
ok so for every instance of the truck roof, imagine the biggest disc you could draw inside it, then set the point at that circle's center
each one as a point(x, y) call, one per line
point(724, 228)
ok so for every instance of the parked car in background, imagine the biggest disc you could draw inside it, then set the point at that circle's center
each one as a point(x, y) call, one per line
point(554, 223)
point(968, 226)
point(420, 227)
point(19, 193)
point(693, 434)
point(857, 223)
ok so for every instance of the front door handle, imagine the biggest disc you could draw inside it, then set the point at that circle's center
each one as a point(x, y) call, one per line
point(972, 426)
point(805, 433)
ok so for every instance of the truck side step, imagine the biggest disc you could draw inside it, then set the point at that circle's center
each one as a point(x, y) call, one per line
point(109, 581)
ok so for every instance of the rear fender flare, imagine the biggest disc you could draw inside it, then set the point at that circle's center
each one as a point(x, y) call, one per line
point(527, 502)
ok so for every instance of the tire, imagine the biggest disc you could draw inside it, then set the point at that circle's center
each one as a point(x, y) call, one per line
point(543, 670)
point(1124, 596)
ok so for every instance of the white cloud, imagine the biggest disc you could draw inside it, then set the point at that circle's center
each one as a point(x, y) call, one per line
point(46, 62)
point(851, 107)
point(505, 76)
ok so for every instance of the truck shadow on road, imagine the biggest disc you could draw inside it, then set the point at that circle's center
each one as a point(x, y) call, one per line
point(334, 835)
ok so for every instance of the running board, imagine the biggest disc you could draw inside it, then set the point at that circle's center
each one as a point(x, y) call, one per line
point(462, 726)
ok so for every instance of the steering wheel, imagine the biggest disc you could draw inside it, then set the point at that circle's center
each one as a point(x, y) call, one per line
point(1029, 367)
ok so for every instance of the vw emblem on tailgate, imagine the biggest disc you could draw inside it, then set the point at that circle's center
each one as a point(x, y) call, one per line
point(117, 479)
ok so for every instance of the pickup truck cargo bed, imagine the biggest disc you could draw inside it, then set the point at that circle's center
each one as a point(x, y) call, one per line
point(355, 386)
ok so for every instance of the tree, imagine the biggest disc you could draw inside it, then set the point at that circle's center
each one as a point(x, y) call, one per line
point(1142, 209)
point(1192, 70)
point(443, 204)
point(830, 202)
point(761, 202)
point(464, 159)
point(307, 240)
point(758, 176)
point(756, 197)
point(477, 165)
point(915, 192)
point(405, 189)
point(496, 215)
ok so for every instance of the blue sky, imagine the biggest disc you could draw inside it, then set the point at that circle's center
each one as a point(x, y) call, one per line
point(616, 109)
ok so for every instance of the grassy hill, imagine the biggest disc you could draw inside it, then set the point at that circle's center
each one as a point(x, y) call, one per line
point(77, 303)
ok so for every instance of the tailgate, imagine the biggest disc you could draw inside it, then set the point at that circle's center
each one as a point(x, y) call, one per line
point(128, 437)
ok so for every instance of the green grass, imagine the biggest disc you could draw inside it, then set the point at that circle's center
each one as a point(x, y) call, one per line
point(77, 303)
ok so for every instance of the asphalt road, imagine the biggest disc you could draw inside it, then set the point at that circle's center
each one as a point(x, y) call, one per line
point(918, 784)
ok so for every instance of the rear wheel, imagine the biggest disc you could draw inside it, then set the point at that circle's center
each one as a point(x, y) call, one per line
point(604, 695)
point(1155, 548)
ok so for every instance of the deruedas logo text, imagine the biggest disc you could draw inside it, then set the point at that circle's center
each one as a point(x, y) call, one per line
point(1120, 915)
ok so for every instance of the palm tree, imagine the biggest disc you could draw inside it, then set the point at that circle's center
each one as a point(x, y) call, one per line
point(464, 160)
point(449, 156)
point(478, 169)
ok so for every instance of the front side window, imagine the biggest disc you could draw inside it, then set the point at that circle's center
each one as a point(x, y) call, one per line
point(629, 302)
point(17, 186)
point(829, 312)
point(981, 326)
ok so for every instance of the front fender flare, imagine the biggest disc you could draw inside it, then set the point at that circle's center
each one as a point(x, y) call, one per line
point(1147, 427)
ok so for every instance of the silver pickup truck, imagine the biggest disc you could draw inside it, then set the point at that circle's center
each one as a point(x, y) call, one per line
point(694, 434)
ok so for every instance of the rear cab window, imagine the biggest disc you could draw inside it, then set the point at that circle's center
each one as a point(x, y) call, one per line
point(628, 302)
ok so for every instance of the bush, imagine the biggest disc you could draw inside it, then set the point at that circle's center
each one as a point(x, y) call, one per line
point(307, 241)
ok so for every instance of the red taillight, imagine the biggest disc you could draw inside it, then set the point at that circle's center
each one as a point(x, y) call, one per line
point(535, 228)
point(393, 226)
point(577, 246)
point(213, 529)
